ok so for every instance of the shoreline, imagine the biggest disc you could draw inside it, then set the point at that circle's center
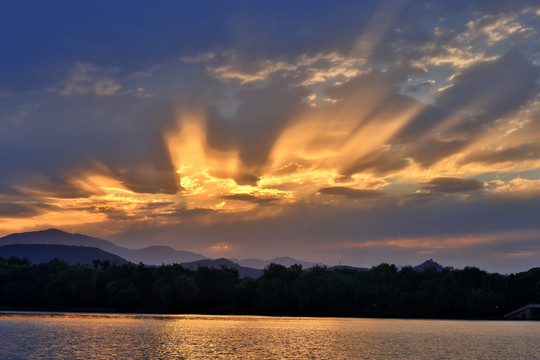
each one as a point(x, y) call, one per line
point(111, 314)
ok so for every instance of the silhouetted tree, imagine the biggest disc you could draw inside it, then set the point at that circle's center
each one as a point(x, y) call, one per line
point(381, 291)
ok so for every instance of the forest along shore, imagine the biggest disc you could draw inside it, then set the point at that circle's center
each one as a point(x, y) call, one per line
point(383, 291)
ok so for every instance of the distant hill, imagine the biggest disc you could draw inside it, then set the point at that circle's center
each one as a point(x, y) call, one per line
point(71, 254)
point(224, 263)
point(58, 237)
point(346, 267)
point(428, 264)
point(284, 260)
point(152, 255)
point(158, 255)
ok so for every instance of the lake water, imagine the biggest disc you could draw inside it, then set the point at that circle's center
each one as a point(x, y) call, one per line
point(90, 336)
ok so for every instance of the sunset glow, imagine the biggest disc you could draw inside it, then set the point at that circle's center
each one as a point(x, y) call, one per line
point(406, 131)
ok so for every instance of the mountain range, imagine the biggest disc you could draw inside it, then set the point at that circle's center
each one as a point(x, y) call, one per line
point(40, 253)
point(283, 260)
point(243, 271)
point(152, 255)
point(45, 245)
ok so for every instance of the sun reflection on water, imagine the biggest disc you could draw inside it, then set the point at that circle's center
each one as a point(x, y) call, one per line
point(96, 336)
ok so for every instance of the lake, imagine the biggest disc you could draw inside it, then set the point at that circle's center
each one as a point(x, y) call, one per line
point(103, 336)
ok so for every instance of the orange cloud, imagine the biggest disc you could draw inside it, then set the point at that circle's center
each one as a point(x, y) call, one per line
point(220, 247)
point(429, 243)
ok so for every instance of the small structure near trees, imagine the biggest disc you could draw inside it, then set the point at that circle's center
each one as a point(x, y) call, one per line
point(526, 312)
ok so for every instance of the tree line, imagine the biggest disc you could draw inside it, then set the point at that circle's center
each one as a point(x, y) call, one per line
point(383, 291)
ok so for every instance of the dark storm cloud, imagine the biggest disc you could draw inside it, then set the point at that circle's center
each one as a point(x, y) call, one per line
point(452, 185)
point(351, 193)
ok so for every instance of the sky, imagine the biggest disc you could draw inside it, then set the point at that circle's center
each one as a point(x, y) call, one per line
point(352, 132)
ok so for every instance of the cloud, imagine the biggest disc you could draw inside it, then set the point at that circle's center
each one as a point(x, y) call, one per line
point(447, 47)
point(496, 28)
point(182, 214)
point(517, 153)
point(106, 87)
point(379, 162)
point(377, 104)
point(351, 193)
point(491, 89)
point(87, 78)
point(445, 242)
point(261, 72)
point(257, 123)
point(65, 135)
point(422, 86)
point(311, 231)
point(479, 96)
point(323, 67)
point(452, 185)
point(380, 82)
point(220, 247)
point(474, 42)
point(250, 198)
point(308, 69)
point(18, 210)
point(516, 188)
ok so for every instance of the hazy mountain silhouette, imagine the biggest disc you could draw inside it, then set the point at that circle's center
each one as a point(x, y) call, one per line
point(283, 260)
point(58, 237)
point(152, 255)
point(40, 253)
point(428, 264)
point(347, 267)
point(224, 263)
point(158, 255)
